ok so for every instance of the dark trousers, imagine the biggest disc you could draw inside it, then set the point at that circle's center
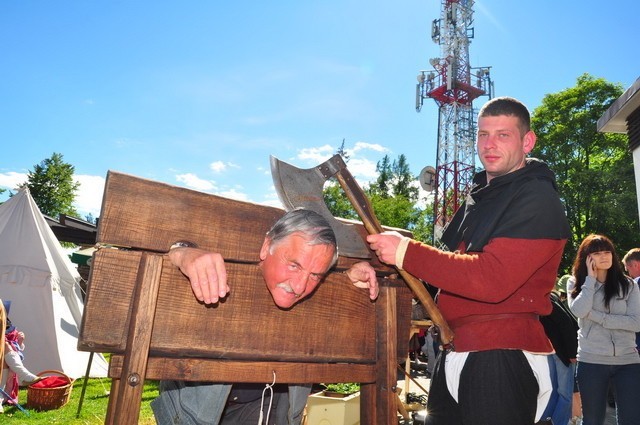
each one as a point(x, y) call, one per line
point(594, 380)
point(249, 413)
point(497, 387)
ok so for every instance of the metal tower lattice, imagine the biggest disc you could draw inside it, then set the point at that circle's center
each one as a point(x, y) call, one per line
point(453, 84)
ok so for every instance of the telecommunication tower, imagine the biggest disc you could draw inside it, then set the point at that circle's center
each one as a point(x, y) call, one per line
point(453, 84)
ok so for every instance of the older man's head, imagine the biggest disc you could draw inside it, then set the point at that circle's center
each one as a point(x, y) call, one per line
point(296, 254)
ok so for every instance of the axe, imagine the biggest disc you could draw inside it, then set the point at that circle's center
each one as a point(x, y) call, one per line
point(303, 188)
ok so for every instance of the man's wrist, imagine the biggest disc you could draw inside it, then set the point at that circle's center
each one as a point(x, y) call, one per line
point(401, 251)
point(183, 244)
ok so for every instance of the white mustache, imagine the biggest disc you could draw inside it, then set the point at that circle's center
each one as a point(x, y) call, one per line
point(288, 289)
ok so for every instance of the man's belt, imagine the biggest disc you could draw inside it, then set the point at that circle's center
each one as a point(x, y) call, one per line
point(477, 318)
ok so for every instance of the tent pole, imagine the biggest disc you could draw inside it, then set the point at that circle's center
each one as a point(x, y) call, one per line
point(84, 384)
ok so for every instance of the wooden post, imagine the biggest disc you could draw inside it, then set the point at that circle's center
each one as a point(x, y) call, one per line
point(126, 408)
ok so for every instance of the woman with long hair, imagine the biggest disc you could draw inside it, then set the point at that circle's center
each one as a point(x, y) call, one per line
point(607, 305)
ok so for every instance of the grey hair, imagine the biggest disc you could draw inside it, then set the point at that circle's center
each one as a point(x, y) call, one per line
point(311, 224)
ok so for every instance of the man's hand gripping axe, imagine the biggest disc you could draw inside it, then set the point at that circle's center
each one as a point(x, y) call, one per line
point(302, 188)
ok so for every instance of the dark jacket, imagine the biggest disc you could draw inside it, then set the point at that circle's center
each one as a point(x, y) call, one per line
point(561, 328)
point(508, 240)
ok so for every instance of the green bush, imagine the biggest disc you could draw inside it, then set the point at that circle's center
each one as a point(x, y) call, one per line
point(343, 388)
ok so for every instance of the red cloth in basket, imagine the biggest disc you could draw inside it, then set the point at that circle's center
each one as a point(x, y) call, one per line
point(51, 382)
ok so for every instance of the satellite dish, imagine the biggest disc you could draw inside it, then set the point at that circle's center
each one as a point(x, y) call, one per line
point(428, 178)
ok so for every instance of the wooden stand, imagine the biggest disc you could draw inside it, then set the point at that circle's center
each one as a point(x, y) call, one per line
point(140, 308)
point(416, 327)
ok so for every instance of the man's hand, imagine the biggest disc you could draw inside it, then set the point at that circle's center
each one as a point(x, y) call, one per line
point(385, 246)
point(205, 270)
point(363, 275)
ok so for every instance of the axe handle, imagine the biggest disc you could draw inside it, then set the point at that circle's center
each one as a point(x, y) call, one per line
point(363, 207)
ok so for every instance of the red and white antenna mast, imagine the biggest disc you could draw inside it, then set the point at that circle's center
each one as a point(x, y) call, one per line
point(454, 85)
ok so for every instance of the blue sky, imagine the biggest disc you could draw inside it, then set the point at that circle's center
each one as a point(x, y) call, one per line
point(200, 93)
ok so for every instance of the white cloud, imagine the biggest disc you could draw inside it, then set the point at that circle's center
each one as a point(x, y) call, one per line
point(88, 199)
point(359, 146)
point(316, 155)
point(220, 166)
point(194, 182)
point(362, 169)
point(89, 196)
point(12, 179)
point(217, 166)
point(263, 170)
point(271, 198)
point(234, 194)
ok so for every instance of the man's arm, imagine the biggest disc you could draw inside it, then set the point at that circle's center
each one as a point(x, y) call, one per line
point(206, 272)
point(508, 261)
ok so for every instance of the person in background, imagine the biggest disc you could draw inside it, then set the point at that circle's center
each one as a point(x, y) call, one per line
point(506, 244)
point(563, 295)
point(561, 327)
point(576, 404)
point(14, 373)
point(631, 261)
point(607, 305)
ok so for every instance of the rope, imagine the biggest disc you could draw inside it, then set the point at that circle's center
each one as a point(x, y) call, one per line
point(267, 387)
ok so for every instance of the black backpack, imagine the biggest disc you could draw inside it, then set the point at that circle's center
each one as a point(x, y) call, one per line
point(561, 327)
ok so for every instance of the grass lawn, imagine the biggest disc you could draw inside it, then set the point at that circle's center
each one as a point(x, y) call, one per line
point(94, 406)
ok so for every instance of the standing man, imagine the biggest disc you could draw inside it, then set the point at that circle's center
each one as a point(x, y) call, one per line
point(631, 261)
point(297, 252)
point(506, 242)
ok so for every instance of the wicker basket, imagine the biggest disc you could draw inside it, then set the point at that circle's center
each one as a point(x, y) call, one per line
point(49, 398)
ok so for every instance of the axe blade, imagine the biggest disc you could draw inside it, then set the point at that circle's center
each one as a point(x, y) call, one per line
point(302, 188)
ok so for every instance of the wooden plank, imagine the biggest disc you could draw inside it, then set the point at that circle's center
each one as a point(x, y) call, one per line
point(138, 341)
point(387, 380)
point(336, 324)
point(112, 283)
point(213, 370)
point(149, 215)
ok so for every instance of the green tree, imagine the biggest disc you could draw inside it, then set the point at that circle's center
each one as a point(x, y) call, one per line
point(52, 186)
point(343, 153)
point(403, 181)
point(594, 170)
point(393, 196)
point(423, 226)
point(395, 211)
point(382, 185)
point(337, 201)
point(89, 218)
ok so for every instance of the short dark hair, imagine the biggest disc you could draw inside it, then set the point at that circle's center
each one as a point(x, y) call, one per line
point(311, 224)
point(510, 107)
point(632, 255)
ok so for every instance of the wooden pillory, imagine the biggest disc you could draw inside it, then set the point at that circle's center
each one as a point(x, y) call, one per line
point(141, 309)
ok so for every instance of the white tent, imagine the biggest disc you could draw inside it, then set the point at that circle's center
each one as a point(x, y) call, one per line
point(42, 284)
